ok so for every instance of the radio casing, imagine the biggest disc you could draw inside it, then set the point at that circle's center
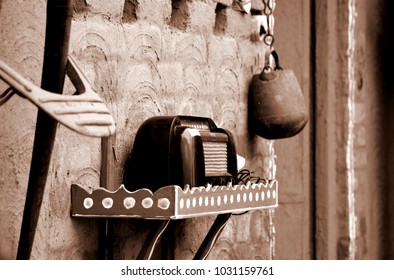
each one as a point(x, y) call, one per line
point(180, 150)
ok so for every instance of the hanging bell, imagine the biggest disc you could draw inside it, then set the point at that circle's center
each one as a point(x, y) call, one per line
point(276, 103)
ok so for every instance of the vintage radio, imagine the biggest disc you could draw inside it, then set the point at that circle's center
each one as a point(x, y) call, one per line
point(180, 150)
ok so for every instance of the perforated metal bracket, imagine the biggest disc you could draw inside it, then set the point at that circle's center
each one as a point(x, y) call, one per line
point(172, 202)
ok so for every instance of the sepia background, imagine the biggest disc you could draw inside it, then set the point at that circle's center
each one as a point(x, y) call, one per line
point(197, 57)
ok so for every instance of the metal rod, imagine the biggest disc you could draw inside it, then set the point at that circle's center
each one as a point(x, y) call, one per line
point(57, 34)
point(107, 180)
point(213, 234)
point(105, 240)
point(152, 239)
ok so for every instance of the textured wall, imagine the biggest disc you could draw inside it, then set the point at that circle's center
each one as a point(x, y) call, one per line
point(145, 58)
point(294, 218)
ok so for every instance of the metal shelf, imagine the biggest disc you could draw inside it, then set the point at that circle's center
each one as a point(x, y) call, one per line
point(173, 202)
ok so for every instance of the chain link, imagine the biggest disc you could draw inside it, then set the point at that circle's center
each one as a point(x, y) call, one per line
point(268, 11)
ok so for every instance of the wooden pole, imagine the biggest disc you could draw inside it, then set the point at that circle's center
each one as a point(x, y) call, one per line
point(57, 34)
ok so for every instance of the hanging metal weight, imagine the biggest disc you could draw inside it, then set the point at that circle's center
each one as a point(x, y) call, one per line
point(276, 103)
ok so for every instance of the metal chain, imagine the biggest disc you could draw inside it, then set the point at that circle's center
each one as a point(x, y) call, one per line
point(268, 12)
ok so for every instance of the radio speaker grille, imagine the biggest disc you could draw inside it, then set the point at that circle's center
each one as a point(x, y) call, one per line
point(215, 158)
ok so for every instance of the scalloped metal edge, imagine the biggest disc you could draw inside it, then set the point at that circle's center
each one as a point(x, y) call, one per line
point(172, 202)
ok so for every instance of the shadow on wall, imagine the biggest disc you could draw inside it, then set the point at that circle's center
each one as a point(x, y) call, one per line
point(386, 56)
